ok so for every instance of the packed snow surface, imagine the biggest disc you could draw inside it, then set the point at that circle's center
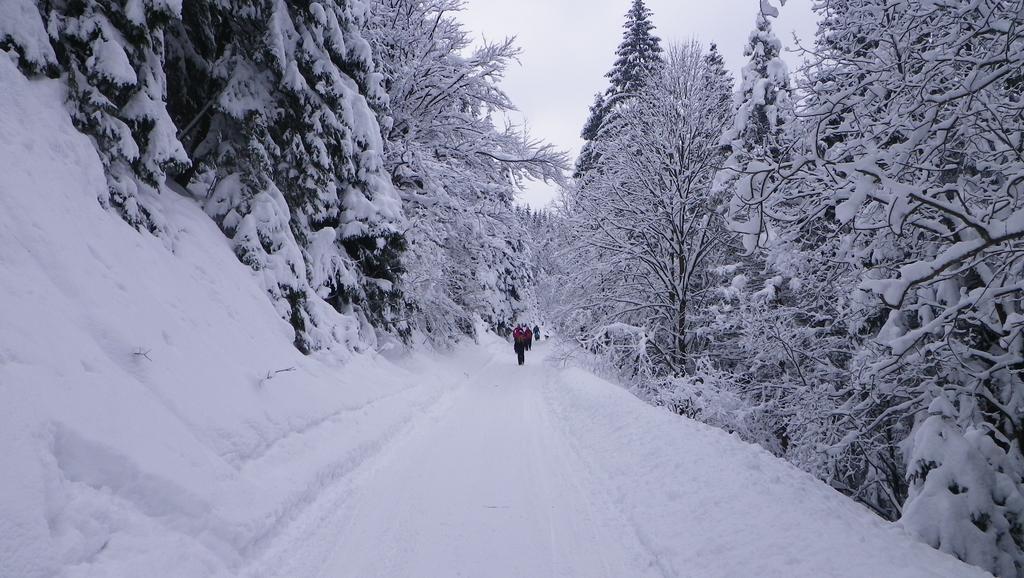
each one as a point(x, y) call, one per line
point(156, 421)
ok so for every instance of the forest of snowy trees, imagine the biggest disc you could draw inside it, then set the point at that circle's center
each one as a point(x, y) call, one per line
point(826, 261)
point(829, 263)
point(353, 152)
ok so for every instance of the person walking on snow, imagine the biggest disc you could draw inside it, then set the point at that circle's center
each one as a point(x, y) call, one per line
point(529, 338)
point(519, 343)
point(536, 332)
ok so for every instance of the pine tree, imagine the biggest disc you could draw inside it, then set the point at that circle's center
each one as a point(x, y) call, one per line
point(282, 123)
point(114, 56)
point(597, 112)
point(764, 94)
point(269, 112)
point(638, 57)
point(964, 497)
point(756, 140)
point(332, 149)
point(718, 77)
point(587, 159)
point(766, 330)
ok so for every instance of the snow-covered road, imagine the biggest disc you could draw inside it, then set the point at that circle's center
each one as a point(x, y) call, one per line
point(483, 484)
point(538, 471)
point(488, 488)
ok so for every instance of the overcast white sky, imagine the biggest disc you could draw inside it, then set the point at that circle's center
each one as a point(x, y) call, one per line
point(569, 45)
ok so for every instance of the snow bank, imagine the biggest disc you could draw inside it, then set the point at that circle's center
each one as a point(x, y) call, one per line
point(139, 432)
point(705, 503)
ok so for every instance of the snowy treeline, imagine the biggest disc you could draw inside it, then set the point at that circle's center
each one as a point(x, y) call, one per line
point(346, 148)
point(455, 169)
point(829, 263)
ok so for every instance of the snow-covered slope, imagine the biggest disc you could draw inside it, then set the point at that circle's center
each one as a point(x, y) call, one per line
point(140, 436)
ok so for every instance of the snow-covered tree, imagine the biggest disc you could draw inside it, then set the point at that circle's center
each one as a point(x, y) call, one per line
point(913, 119)
point(113, 56)
point(637, 59)
point(754, 355)
point(638, 56)
point(717, 77)
point(965, 496)
point(588, 158)
point(282, 124)
point(268, 111)
point(23, 32)
point(647, 224)
point(757, 137)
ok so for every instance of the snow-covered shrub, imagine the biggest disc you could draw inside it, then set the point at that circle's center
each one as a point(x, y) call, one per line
point(711, 396)
point(963, 495)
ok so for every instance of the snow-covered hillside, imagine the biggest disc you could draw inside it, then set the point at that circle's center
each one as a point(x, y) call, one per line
point(139, 433)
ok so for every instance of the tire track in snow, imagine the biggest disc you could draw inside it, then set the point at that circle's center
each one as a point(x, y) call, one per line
point(302, 539)
point(241, 459)
point(588, 479)
point(492, 490)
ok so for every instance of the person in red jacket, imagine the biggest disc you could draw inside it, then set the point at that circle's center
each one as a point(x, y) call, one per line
point(519, 343)
point(529, 338)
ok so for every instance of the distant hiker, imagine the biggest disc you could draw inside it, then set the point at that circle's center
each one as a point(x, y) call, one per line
point(519, 343)
point(536, 332)
point(529, 338)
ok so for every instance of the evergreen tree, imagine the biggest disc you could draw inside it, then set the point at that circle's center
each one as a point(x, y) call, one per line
point(597, 112)
point(288, 158)
point(718, 77)
point(756, 140)
point(268, 111)
point(588, 159)
point(782, 302)
point(113, 56)
point(637, 58)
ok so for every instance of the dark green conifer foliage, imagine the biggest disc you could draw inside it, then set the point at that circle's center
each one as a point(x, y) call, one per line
point(269, 113)
point(638, 56)
point(112, 57)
